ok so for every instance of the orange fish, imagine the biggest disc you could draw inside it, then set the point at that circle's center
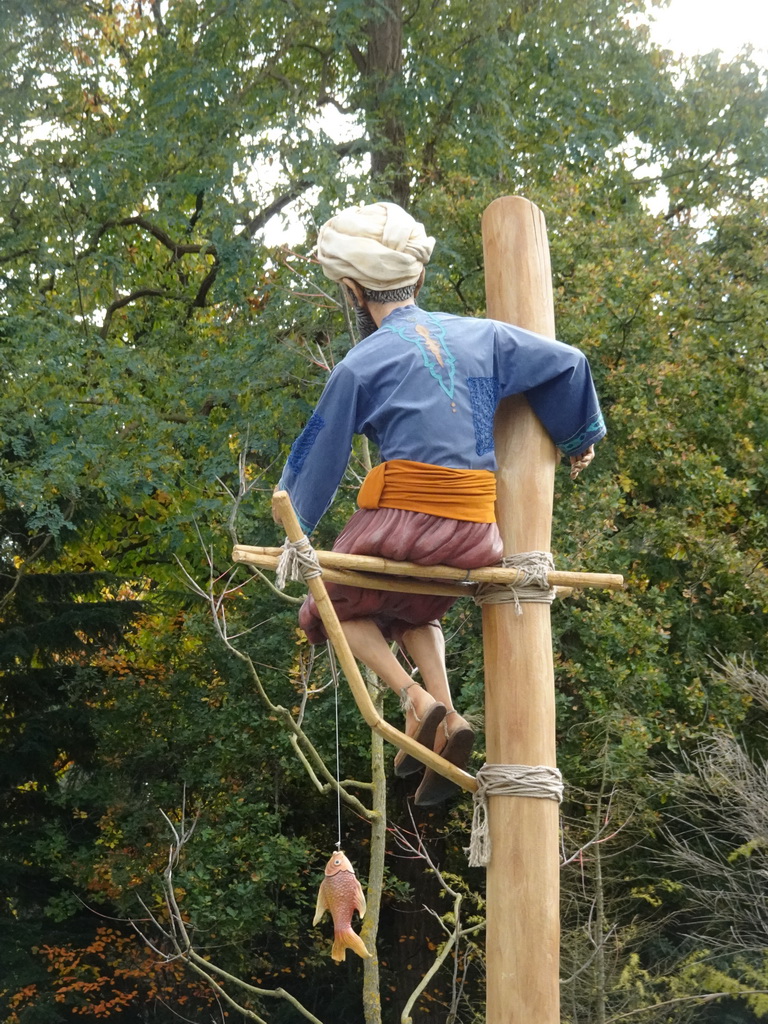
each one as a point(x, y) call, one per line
point(341, 894)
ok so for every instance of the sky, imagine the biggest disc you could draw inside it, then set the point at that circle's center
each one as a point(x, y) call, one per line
point(698, 26)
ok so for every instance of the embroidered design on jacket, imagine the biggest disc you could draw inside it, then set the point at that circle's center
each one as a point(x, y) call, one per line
point(578, 442)
point(301, 446)
point(484, 397)
point(430, 341)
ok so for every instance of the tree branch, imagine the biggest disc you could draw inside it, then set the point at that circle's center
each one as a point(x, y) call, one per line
point(358, 58)
point(215, 601)
point(177, 248)
point(178, 934)
point(259, 220)
point(202, 292)
point(708, 997)
point(126, 300)
point(9, 257)
point(198, 209)
point(453, 928)
point(325, 98)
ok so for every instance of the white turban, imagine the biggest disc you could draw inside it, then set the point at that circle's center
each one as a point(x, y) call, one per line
point(380, 246)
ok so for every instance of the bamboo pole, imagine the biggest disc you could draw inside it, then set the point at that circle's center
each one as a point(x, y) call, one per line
point(523, 876)
point(266, 557)
point(370, 581)
point(393, 584)
point(282, 505)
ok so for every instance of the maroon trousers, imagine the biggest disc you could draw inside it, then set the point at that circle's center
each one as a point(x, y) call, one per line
point(402, 537)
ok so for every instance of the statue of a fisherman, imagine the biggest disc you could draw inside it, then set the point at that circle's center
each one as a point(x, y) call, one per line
point(424, 387)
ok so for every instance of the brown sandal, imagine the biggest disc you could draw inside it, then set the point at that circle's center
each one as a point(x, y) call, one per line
point(405, 763)
point(435, 788)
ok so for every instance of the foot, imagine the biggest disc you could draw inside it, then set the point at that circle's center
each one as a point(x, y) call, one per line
point(454, 742)
point(452, 724)
point(422, 720)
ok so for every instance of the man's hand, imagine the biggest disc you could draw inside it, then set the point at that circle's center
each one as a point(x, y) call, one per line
point(579, 462)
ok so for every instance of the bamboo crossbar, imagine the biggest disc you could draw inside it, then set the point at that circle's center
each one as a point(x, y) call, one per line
point(282, 505)
point(371, 581)
point(336, 561)
point(366, 580)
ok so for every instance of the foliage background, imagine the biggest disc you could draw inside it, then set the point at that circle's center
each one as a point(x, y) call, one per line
point(150, 335)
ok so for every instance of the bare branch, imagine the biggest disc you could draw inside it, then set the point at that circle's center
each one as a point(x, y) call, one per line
point(199, 965)
point(217, 988)
point(743, 675)
point(594, 841)
point(313, 283)
point(450, 923)
point(708, 997)
point(218, 612)
point(716, 831)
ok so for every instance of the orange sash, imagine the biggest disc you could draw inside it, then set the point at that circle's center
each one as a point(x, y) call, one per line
point(467, 494)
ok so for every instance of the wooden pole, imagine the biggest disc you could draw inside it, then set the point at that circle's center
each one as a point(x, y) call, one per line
point(523, 930)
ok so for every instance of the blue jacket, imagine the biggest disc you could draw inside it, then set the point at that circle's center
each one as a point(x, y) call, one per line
point(425, 387)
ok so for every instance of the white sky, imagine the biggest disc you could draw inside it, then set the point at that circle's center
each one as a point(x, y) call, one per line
point(698, 26)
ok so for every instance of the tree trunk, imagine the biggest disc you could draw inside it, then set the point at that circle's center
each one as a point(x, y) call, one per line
point(383, 70)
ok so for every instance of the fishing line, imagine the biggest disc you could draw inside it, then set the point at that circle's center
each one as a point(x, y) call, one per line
point(335, 677)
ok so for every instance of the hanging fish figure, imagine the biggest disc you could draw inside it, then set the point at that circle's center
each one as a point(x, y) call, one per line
point(341, 894)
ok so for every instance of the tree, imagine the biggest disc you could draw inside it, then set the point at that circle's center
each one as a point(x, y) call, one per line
point(149, 338)
point(716, 824)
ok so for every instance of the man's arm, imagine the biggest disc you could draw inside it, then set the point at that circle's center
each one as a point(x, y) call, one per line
point(319, 455)
point(557, 381)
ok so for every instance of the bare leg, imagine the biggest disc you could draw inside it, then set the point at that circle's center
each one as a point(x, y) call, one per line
point(454, 737)
point(426, 645)
point(369, 646)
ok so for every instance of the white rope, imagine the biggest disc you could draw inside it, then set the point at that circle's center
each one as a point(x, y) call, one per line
point(335, 677)
point(298, 561)
point(533, 587)
point(539, 781)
